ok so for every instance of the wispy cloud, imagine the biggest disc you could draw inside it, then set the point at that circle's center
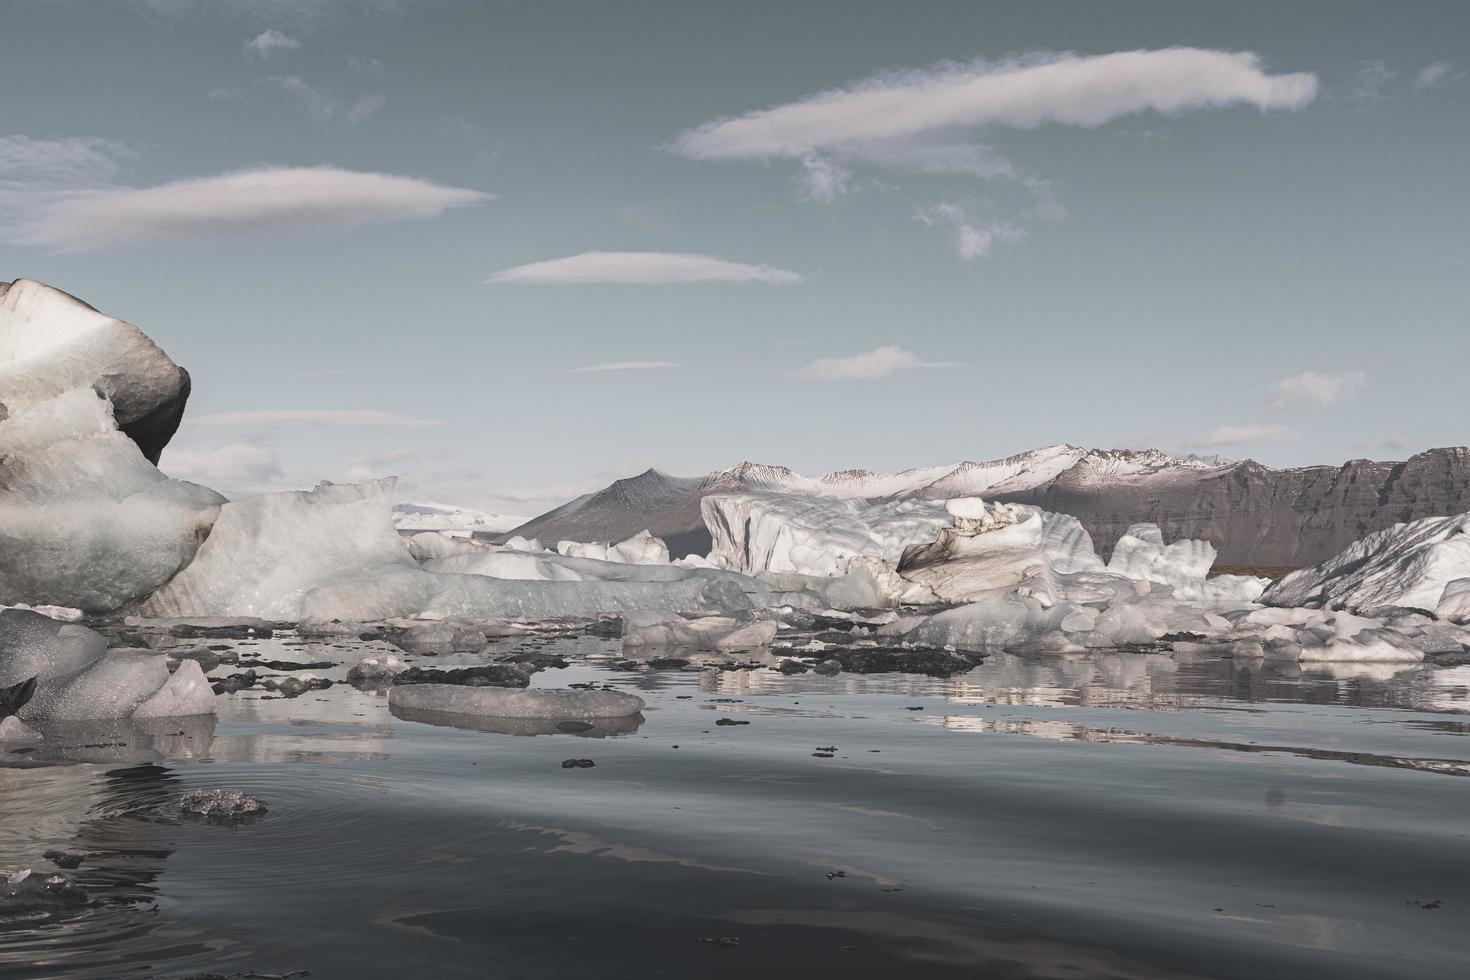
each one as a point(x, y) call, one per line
point(1234, 435)
point(270, 417)
point(910, 118)
point(641, 268)
point(869, 366)
point(319, 104)
point(623, 366)
point(234, 465)
point(1315, 388)
point(973, 239)
point(1436, 74)
point(1366, 88)
point(269, 42)
point(248, 200)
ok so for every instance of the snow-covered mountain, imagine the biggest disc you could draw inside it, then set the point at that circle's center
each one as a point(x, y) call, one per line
point(1254, 514)
point(458, 521)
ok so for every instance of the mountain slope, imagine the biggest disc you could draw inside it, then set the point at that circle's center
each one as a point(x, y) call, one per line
point(1253, 514)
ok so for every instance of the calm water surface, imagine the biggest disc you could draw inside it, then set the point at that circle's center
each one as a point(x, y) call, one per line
point(1119, 815)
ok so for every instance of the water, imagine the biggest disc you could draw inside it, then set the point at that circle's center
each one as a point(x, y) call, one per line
point(1119, 815)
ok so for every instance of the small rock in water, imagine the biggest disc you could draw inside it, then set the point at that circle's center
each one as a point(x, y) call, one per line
point(62, 859)
point(235, 683)
point(792, 667)
point(828, 668)
point(489, 675)
point(731, 721)
point(221, 805)
point(578, 764)
point(668, 663)
point(836, 874)
point(724, 941)
point(28, 890)
point(379, 667)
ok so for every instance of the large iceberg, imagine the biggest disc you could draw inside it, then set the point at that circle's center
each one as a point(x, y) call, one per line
point(1408, 565)
point(641, 549)
point(776, 532)
point(52, 342)
point(85, 520)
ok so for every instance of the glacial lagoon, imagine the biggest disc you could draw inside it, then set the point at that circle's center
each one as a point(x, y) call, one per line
point(1118, 814)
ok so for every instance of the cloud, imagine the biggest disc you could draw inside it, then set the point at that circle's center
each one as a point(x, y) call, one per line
point(623, 366)
point(864, 119)
point(1314, 388)
point(268, 42)
point(68, 162)
point(234, 464)
point(972, 239)
point(1368, 83)
point(246, 200)
point(316, 103)
point(641, 267)
point(1435, 74)
point(869, 366)
point(1232, 435)
point(359, 417)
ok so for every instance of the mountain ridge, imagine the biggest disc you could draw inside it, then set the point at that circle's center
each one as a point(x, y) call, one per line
point(1252, 513)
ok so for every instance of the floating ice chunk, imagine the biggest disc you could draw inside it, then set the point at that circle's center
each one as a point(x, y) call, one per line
point(1454, 601)
point(52, 343)
point(501, 702)
point(186, 692)
point(641, 549)
point(652, 629)
point(517, 543)
point(1141, 553)
point(33, 645)
point(378, 667)
point(1407, 565)
point(88, 522)
point(63, 614)
point(112, 687)
point(1374, 645)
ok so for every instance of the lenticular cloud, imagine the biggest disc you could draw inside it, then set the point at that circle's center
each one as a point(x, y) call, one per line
point(246, 200)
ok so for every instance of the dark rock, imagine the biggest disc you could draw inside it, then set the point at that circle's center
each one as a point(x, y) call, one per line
point(731, 721)
point(668, 663)
point(879, 660)
point(489, 675)
point(792, 667)
point(27, 890)
point(607, 629)
point(828, 668)
point(726, 942)
point(578, 764)
point(221, 806)
point(63, 859)
point(235, 682)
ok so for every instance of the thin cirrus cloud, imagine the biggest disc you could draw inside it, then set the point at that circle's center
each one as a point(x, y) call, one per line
point(1435, 74)
point(358, 417)
point(623, 366)
point(247, 200)
point(869, 366)
point(1315, 388)
point(868, 118)
point(1234, 435)
point(641, 268)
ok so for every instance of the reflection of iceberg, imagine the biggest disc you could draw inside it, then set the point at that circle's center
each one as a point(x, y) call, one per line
point(121, 740)
point(596, 728)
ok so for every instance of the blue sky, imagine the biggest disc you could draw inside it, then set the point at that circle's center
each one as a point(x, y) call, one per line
point(510, 251)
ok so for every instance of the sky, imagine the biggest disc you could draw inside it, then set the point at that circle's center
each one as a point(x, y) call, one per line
point(512, 251)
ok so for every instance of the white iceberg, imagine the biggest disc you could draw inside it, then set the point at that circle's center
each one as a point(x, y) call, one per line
point(32, 645)
point(641, 549)
point(1407, 565)
point(120, 684)
point(654, 629)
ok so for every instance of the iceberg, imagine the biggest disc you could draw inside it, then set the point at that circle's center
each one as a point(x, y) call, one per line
point(654, 629)
point(120, 684)
point(776, 532)
point(641, 549)
point(85, 520)
point(1408, 565)
point(32, 645)
point(52, 343)
point(502, 702)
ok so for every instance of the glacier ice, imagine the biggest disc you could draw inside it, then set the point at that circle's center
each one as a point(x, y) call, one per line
point(119, 684)
point(1454, 601)
point(1407, 565)
point(640, 549)
point(85, 520)
point(502, 702)
point(52, 343)
point(32, 645)
point(655, 629)
point(774, 532)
